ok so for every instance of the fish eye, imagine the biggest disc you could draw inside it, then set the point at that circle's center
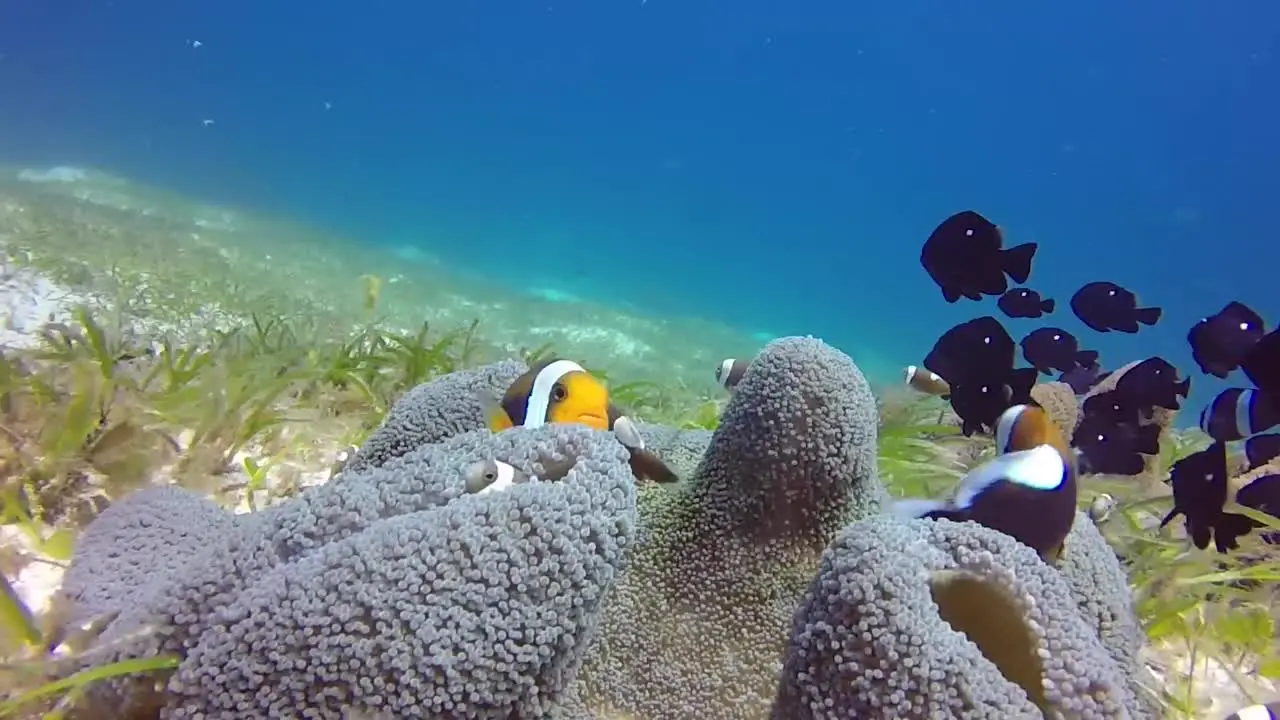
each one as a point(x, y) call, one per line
point(1244, 326)
point(1057, 336)
point(558, 392)
point(491, 475)
point(968, 232)
point(1111, 292)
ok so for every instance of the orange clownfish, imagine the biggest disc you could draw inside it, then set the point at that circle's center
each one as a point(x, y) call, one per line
point(926, 381)
point(562, 391)
point(552, 391)
point(730, 371)
point(1028, 491)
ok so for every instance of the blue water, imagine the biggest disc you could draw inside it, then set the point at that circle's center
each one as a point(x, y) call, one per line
point(776, 165)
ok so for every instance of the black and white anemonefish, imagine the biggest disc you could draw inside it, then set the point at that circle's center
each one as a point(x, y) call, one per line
point(1237, 413)
point(562, 391)
point(730, 371)
point(1269, 711)
point(926, 381)
point(1028, 491)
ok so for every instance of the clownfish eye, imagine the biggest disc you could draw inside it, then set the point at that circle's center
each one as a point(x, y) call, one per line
point(558, 392)
point(491, 475)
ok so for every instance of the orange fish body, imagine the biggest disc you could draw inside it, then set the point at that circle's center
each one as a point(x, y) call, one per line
point(553, 391)
point(561, 391)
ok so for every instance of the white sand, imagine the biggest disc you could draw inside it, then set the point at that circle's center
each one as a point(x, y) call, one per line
point(28, 300)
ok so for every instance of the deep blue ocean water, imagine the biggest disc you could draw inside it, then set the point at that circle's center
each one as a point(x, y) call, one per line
point(776, 165)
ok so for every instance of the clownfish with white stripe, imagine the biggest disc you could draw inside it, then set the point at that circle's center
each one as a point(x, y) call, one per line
point(1028, 491)
point(730, 371)
point(562, 391)
point(491, 475)
point(926, 381)
point(488, 476)
point(1269, 711)
point(1237, 413)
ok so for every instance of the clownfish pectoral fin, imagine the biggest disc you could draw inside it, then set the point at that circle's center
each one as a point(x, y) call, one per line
point(627, 433)
point(916, 508)
point(648, 467)
point(495, 418)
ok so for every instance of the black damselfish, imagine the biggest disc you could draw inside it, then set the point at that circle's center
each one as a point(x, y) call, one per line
point(1112, 407)
point(1024, 303)
point(974, 348)
point(1199, 483)
point(975, 358)
point(1109, 448)
point(1153, 383)
point(1051, 348)
point(1083, 379)
point(1105, 306)
point(981, 399)
point(1220, 342)
point(965, 257)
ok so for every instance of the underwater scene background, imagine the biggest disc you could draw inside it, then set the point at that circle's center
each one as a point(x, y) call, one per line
point(771, 166)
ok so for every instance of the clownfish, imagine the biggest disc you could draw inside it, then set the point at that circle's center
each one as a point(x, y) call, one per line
point(1269, 711)
point(562, 391)
point(926, 381)
point(730, 371)
point(1028, 491)
point(552, 391)
point(1237, 413)
point(491, 476)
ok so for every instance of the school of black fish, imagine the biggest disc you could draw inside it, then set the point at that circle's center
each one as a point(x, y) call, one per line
point(974, 366)
point(1029, 490)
